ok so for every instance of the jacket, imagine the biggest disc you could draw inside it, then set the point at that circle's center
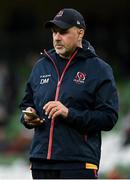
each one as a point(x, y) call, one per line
point(87, 87)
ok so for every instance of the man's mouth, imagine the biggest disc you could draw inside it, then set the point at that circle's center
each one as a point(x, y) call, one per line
point(59, 46)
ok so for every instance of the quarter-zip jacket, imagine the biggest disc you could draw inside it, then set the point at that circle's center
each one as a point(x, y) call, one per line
point(87, 87)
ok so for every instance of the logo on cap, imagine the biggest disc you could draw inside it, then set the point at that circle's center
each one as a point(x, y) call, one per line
point(60, 13)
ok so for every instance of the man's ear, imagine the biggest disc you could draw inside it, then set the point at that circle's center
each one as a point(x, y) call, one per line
point(81, 33)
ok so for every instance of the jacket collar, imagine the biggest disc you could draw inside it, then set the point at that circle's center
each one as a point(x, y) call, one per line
point(86, 52)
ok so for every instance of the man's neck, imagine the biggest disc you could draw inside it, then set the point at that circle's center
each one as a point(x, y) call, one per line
point(68, 56)
point(65, 57)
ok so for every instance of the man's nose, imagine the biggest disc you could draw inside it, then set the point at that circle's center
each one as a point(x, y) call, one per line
point(57, 36)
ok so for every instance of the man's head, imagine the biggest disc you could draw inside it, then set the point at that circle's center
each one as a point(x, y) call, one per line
point(68, 28)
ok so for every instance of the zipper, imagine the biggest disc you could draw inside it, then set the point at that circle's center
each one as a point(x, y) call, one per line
point(52, 125)
point(60, 79)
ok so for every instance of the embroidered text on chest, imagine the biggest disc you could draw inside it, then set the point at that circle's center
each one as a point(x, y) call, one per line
point(44, 79)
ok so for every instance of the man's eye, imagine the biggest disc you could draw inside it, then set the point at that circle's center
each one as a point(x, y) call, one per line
point(63, 32)
point(59, 31)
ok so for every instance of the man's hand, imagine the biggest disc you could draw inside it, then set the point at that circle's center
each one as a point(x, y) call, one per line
point(54, 109)
point(30, 120)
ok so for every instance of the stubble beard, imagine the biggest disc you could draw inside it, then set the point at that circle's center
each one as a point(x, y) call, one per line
point(63, 53)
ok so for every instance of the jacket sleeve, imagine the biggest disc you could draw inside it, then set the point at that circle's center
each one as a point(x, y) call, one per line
point(104, 115)
point(27, 101)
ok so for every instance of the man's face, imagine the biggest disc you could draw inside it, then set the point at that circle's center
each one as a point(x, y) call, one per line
point(65, 41)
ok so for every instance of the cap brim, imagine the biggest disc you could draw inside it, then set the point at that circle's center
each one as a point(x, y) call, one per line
point(59, 24)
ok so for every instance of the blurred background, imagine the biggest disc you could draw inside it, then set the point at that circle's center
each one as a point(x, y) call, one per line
point(23, 37)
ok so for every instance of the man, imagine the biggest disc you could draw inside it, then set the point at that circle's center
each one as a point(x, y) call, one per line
point(73, 92)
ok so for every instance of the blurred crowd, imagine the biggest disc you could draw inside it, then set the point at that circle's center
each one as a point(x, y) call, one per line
point(11, 85)
point(8, 94)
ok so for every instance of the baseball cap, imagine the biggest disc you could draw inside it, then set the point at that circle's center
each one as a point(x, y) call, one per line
point(67, 18)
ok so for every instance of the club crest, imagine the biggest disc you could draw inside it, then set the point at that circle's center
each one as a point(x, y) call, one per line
point(80, 78)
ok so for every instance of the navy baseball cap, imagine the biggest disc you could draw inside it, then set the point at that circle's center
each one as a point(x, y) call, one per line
point(67, 18)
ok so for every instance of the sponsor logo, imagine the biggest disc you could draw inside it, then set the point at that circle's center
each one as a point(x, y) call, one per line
point(80, 78)
point(44, 79)
point(78, 22)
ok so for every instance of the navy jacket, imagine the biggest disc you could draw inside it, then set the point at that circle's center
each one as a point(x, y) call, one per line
point(88, 89)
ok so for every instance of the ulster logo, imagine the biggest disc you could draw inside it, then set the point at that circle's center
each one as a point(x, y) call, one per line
point(60, 13)
point(80, 78)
